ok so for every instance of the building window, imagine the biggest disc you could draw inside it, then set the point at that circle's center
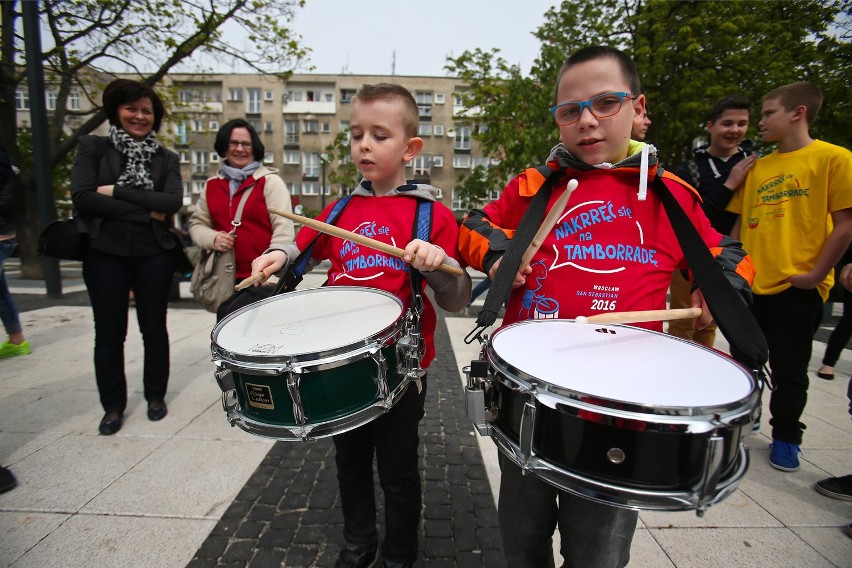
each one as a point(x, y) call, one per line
point(268, 96)
point(422, 164)
point(326, 128)
point(186, 190)
point(312, 96)
point(461, 161)
point(214, 158)
point(235, 94)
point(198, 186)
point(253, 102)
point(310, 126)
point(73, 100)
point(456, 204)
point(197, 126)
point(181, 133)
point(310, 188)
point(462, 138)
point(346, 95)
point(438, 129)
point(437, 161)
point(311, 165)
point(329, 97)
point(295, 188)
point(267, 126)
point(344, 127)
point(255, 123)
point(424, 129)
point(291, 131)
point(482, 161)
point(292, 156)
point(268, 157)
point(214, 126)
point(295, 96)
point(439, 98)
point(199, 160)
point(184, 156)
point(51, 100)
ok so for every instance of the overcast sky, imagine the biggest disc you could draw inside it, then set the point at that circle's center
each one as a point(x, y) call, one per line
point(361, 36)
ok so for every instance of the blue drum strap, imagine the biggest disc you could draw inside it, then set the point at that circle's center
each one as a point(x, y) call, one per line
point(294, 273)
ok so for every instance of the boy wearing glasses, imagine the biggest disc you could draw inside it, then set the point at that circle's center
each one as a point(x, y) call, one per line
point(613, 249)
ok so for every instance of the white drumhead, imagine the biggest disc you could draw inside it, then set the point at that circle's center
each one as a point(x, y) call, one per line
point(621, 363)
point(309, 321)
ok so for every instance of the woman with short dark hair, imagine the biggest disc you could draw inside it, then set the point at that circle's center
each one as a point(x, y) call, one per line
point(241, 171)
point(125, 187)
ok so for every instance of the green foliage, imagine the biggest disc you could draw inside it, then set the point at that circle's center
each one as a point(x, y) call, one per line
point(343, 172)
point(689, 54)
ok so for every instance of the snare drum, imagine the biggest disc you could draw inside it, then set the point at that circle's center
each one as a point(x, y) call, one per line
point(621, 415)
point(311, 363)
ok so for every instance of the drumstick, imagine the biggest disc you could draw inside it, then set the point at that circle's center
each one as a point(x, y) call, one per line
point(548, 223)
point(356, 238)
point(645, 315)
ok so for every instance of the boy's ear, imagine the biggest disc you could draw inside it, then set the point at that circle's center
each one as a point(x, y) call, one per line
point(639, 105)
point(799, 113)
point(413, 148)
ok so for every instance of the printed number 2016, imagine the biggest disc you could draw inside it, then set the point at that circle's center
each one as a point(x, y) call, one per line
point(603, 305)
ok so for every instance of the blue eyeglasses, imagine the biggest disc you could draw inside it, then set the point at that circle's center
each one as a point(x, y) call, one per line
point(601, 106)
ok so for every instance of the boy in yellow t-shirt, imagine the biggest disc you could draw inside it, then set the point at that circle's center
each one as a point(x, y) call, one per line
point(795, 221)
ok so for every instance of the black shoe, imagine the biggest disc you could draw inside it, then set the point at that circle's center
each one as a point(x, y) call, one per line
point(836, 487)
point(7, 480)
point(157, 410)
point(110, 423)
point(356, 557)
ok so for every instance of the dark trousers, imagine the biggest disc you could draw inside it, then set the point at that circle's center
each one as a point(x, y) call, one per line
point(109, 280)
point(840, 335)
point(789, 320)
point(592, 535)
point(393, 439)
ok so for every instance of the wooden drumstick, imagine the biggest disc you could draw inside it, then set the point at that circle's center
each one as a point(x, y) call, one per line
point(250, 281)
point(356, 238)
point(644, 315)
point(548, 223)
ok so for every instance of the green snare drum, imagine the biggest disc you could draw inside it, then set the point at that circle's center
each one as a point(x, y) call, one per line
point(315, 362)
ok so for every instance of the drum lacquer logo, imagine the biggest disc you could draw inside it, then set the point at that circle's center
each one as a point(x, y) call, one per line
point(259, 396)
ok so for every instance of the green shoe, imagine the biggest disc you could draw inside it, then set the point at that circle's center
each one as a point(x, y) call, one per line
point(12, 350)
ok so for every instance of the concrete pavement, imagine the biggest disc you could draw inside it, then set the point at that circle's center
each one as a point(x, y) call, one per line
point(191, 490)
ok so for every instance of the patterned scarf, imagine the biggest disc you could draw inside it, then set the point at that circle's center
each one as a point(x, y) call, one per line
point(237, 176)
point(137, 170)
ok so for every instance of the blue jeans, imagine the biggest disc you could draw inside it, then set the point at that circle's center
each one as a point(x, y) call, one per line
point(789, 320)
point(592, 535)
point(8, 308)
point(393, 439)
point(109, 279)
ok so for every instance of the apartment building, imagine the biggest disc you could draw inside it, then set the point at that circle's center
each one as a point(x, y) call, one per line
point(299, 118)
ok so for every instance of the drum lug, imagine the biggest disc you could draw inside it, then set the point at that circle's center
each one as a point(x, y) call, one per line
point(475, 396)
point(527, 429)
point(229, 405)
point(710, 476)
point(293, 378)
point(381, 373)
point(225, 379)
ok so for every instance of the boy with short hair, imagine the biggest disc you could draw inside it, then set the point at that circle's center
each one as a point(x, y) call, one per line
point(383, 133)
point(717, 171)
point(640, 126)
point(795, 220)
point(597, 98)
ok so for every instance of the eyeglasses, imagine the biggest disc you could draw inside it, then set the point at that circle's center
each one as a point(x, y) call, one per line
point(601, 106)
point(240, 144)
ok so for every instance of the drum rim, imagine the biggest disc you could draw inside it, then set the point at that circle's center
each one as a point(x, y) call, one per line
point(337, 355)
point(518, 379)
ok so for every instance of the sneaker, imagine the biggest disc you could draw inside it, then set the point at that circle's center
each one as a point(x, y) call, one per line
point(836, 487)
point(356, 557)
point(13, 350)
point(784, 455)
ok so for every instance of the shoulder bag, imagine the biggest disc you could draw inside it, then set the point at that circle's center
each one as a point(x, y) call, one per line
point(213, 276)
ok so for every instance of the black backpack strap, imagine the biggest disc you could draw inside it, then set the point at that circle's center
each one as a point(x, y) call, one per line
point(293, 276)
point(510, 263)
point(735, 320)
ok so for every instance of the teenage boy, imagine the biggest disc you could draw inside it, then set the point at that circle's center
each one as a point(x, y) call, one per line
point(383, 133)
point(597, 98)
point(717, 170)
point(795, 219)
